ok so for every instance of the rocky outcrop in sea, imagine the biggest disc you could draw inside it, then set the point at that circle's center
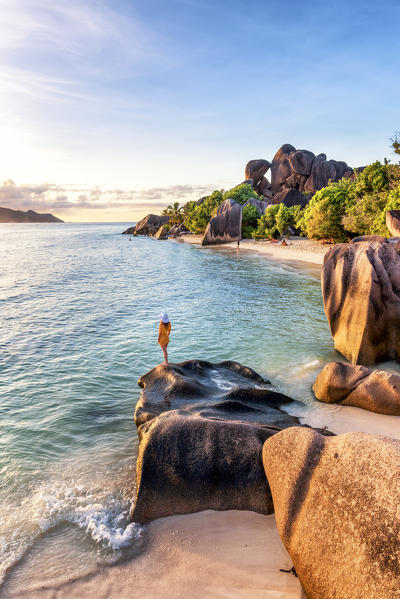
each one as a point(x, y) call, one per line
point(149, 225)
point(201, 430)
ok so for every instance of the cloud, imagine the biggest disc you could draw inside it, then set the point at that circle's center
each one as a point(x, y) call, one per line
point(49, 197)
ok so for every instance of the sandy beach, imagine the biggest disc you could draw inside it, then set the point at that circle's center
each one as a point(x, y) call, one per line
point(299, 249)
point(230, 555)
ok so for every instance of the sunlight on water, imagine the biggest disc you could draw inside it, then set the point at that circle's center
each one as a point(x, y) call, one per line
point(79, 309)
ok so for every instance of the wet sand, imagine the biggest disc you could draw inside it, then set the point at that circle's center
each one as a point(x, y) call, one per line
point(208, 555)
point(300, 249)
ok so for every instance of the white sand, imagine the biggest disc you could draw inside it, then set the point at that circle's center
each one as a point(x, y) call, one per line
point(208, 555)
point(300, 249)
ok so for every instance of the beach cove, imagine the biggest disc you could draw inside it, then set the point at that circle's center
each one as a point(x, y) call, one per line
point(79, 462)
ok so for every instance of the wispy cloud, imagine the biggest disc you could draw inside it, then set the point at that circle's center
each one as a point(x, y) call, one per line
point(72, 29)
point(49, 197)
point(90, 43)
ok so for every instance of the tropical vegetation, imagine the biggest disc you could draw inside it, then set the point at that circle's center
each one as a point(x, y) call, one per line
point(353, 206)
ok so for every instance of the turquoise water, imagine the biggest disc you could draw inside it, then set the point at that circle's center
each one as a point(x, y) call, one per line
point(79, 309)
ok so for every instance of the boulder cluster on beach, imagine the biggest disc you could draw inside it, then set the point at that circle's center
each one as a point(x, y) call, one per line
point(295, 176)
point(299, 170)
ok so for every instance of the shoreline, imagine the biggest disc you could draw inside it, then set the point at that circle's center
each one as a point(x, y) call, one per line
point(300, 249)
point(232, 554)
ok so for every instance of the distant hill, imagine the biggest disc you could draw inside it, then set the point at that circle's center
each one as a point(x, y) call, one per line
point(30, 216)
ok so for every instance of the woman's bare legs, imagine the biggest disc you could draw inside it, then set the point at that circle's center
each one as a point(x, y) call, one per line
point(164, 348)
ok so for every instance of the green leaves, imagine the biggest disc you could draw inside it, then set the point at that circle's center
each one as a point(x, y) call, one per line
point(241, 193)
point(175, 213)
point(250, 216)
point(277, 220)
point(198, 215)
point(353, 207)
point(322, 217)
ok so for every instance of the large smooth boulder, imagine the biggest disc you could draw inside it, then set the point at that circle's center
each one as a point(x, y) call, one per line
point(256, 169)
point(227, 390)
point(129, 231)
point(301, 161)
point(201, 429)
point(188, 464)
point(264, 188)
point(361, 293)
point(150, 224)
point(302, 170)
point(374, 390)
point(226, 225)
point(280, 167)
point(259, 205)
point(290, 197)
point(295, 181)
point(178, 230)
point(393, 222)
point(324, 171)
point(336, 503)
point(162, 232)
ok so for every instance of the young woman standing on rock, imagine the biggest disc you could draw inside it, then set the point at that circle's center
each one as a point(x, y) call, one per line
point(163, 335)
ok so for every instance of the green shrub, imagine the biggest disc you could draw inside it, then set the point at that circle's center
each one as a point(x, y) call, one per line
point(322, 217)
point(266, 226)
point(277, 220)
point(374, 178)
point(287, 217)
point(375, 191)
point(250, 216)
point(392, 203)
point(353, 207)
point(241, 193)
point(364, 215)
point(198, 215)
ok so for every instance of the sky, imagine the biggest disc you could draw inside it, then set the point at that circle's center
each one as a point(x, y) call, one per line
point(110, 109)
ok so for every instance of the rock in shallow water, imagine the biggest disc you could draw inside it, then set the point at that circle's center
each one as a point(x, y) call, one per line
point(201, 429)
point(150, 224)
point(162, 232)
point(374, 390)
point(361, 292)
point(337, 510)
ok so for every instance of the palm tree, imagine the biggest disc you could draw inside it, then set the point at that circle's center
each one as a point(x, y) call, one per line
point(175, 213)
point(396, 142)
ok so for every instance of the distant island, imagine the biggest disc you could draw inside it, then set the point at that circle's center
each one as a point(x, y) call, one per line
point(30, 216)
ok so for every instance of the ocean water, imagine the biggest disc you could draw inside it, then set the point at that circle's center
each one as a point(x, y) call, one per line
point(79, 307)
